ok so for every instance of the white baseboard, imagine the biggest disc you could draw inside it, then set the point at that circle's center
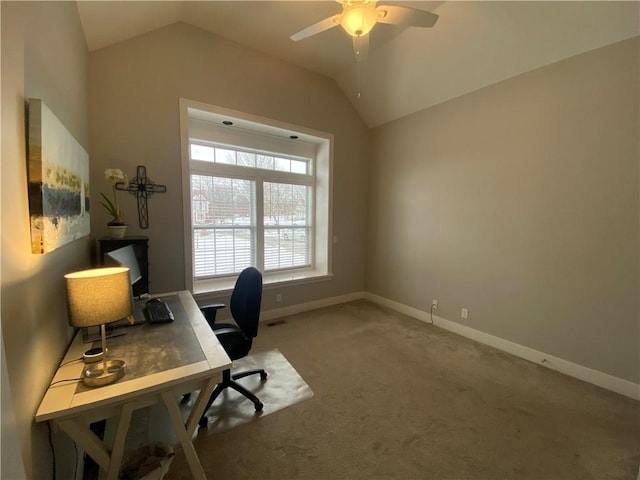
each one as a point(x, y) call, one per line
point(306, 307)
point(595, 377)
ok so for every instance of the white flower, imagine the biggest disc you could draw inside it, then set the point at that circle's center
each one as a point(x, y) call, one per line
point(115, 175)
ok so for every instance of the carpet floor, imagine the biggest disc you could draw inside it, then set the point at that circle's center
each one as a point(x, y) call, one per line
point(398, 398)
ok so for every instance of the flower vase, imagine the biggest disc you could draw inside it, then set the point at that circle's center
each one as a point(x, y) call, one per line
point(117, 231)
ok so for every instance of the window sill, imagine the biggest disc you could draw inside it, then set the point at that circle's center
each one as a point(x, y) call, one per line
point(203, 289)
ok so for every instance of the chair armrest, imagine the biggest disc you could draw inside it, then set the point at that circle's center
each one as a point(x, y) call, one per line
point(217, 306)
point(209, 311)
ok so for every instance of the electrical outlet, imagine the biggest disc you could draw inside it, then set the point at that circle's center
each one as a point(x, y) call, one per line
point(278, 297)
point(434, 304)
point(464, 313)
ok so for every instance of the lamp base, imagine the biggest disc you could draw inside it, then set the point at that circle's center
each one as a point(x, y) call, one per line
point(96, 375)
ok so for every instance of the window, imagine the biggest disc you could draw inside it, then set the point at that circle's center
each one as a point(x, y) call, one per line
point(287, 224)
point(223, 232)
point(225, 210)
point(258, 194)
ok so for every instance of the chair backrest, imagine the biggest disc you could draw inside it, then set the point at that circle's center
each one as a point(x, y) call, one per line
point(246, 299)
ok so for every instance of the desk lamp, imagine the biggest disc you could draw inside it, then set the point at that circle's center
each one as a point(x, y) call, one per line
point(96, 297)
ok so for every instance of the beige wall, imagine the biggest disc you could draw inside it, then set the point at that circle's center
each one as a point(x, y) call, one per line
point(44, 56)
point(135, 87)
point(520, 203)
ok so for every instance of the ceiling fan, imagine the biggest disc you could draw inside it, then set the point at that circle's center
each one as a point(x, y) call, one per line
point(358, 17)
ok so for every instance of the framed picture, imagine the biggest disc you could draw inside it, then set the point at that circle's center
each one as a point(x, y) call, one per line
point(58, 178)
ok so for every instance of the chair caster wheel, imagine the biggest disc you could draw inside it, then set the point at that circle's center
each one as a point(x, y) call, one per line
point(263, 375)
point(259, 406)
point(203, 421)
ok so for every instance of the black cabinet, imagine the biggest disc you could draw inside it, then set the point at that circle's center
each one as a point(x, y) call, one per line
point(140, 246)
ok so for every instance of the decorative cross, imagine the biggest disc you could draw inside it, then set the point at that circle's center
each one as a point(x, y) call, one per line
point(142, 188)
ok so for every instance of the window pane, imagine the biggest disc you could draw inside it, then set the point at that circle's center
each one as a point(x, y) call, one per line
point(283, 165)
point(298, 166)
point(221, 251)
point(230, 156)
point(201, 152)
point(264, 161)
point(247, 159)
point(287, 220)
point(224, 233)
point(225, 156)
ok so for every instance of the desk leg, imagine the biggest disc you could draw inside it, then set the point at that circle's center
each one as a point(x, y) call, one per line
point(84, 437)
point(118, 443)
point(199, 405)
point(185, 432)
point(95, 448)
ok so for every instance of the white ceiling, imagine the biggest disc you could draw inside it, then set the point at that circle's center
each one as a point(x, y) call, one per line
point(472, 45)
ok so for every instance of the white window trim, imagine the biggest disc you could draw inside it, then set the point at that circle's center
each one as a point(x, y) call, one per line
point(323, 166)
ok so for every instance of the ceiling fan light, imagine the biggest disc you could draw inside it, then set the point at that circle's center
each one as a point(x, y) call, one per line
point(358, 20)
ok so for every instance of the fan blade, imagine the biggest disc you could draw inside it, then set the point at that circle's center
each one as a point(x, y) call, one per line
point(321, 26)
point(361, 47)
point(409, 17)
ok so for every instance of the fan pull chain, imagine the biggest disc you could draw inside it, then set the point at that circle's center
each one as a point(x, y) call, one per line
point(358, 80)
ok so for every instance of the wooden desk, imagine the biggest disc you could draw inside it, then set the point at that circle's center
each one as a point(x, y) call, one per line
point(164, 361)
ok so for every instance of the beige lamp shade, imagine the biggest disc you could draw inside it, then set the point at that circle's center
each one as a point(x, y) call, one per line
point(98, 296)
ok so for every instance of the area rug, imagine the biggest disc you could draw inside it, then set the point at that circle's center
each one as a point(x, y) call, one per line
point(282, 388)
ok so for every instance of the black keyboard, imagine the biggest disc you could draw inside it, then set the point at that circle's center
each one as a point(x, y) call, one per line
point(157, 311)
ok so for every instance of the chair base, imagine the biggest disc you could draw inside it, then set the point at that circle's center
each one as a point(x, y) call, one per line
point(228, 382)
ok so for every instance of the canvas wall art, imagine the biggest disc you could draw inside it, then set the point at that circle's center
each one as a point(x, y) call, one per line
point(58, 175)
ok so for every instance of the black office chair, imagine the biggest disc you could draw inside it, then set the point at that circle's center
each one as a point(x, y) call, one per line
point(237, 339)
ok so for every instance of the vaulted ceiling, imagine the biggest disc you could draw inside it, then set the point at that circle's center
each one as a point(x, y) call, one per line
point(473, 44)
